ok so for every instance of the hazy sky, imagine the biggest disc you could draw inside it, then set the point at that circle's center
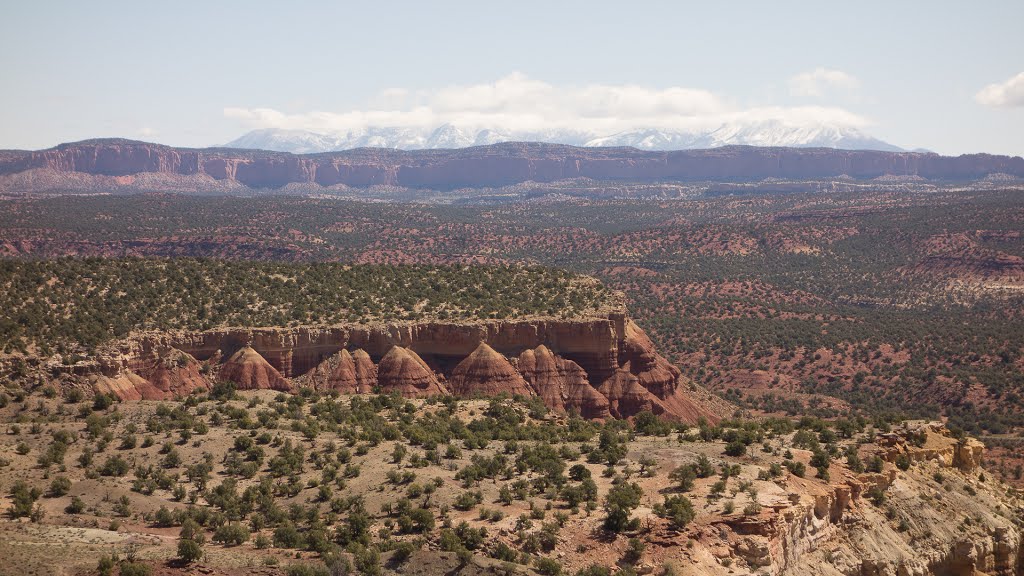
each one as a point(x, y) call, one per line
point(947, 76)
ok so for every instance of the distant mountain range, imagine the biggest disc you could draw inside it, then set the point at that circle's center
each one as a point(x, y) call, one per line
point(107, 165)
point(447, 136)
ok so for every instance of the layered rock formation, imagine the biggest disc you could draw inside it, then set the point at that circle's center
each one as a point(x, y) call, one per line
point(345, 372)
point(494, 165)
point(487, 373)
point(598, 367)
point(627, 397)
point(562, 384)
point(250, 371)
point(175, 373)
point(402, 370)
point(806, 526)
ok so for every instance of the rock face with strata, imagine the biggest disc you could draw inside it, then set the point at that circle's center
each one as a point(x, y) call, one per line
point(562, 384)
point(626, 397)
point(485, 166)
point(175, 373)
point(402, 370)
point(344, 372)
point(598, 366)
point(250, 371)
point(125, 386)
point(487, 373)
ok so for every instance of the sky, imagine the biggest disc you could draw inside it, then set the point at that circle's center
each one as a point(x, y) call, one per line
point(944, 76)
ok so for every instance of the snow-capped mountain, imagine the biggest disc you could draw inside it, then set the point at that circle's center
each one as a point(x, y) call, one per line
point(776, 133)
point(761, 133)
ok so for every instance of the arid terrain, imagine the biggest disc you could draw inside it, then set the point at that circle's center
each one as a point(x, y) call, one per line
point(889, 301)
point(733, 382)
point(276, 483)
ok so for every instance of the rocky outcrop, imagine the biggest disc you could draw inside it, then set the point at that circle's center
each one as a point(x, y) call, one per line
point(626, 397)
point(402, 370)
point(125, 386)
point(599, 366)
point(494, 165)
point(343, 372)
point(932, 441)
point(654, 373)
point(250, 371)
point(487, 373)
point(175, 373)
point(562, 384)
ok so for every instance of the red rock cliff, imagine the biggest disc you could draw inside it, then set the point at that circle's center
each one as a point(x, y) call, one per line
point(597, 367)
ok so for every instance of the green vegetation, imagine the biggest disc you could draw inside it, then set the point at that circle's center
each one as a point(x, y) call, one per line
point(57, 304)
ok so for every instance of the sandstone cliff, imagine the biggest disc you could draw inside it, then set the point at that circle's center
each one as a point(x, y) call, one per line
point(597, 367)
point(494, 165)
point(941, 516)
point(562, 384)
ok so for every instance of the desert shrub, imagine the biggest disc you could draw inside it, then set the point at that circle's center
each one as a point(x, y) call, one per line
point(60, 486)
point(288, 536)
point(189, 550)
point(134, 569)
point(22, 499)
point(468, 500)
point(547, 566)
point(77, 506)
point(231, 534)
point(677, 509)
point(684, 476)
point(367, 561)
point(634, 551)
point(903, 462)
point(114, 466)
point(735, 448)
point(619, 503)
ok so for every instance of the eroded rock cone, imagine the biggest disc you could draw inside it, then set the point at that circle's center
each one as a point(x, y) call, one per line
point(176, 373)
point(126, 386)
point(485, 372)
point(562, 384)
point(366, 371)
point(626, 397)
point(336, 372)
point(250, 371)
point(402, 370)
point(347, 372)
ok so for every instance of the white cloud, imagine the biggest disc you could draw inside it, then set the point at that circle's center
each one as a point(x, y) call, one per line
point(1008, 94)
point(817, 82)
point(517, 103)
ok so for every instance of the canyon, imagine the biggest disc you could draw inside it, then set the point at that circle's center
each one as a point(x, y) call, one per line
point(128, 163)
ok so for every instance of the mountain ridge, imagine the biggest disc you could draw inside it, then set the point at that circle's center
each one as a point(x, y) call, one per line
point(493, 165)
point(449, 136)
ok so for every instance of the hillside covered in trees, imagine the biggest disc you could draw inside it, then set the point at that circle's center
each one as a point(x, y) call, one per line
point(54, 305)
